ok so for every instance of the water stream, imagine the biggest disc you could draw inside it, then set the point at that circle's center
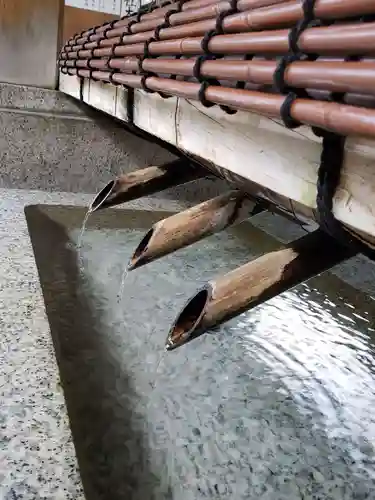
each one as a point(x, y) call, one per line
point(80, 239)
point(120, 295)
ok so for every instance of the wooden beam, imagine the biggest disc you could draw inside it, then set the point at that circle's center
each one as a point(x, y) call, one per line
point(263, 156)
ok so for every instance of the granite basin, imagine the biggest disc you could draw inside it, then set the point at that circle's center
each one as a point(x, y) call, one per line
point(275, 404)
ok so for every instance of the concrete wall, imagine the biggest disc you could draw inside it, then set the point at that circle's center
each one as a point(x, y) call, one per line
point(32, 31)
point(51, 142)
point(29, 41)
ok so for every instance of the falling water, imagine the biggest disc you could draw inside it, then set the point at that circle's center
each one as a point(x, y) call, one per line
point(120, 294)
point(156, 377)
point(80, 238)
point(152, 403)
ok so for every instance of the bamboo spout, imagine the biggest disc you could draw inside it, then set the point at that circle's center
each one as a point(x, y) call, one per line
point(187, 227)
point(144, 182)
point(254, 283)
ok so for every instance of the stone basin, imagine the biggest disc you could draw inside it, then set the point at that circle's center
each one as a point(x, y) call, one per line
point(275, 404)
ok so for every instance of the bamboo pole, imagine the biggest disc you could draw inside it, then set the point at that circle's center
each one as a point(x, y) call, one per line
point(339, 118)
point(190, 12)
point(346, 39)
point(280, 15)
point(332, 76)
point(191, 225)
point(144, 182)
point(254, 283)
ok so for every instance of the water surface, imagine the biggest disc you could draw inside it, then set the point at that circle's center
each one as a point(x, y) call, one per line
point(278, 403)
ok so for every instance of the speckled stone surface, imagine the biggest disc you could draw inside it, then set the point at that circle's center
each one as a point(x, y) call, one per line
point(37, 457)
point(21, 97)
point(44, 152)
point(305, 419)
point(276, 405)
point(55, 154)
point(72, 148)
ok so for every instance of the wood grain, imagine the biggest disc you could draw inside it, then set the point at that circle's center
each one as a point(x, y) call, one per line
point(145, 182)
point(190, 226)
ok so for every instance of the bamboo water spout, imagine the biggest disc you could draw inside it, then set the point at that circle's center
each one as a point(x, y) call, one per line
point(254, 283)
point(144, 182)
point(192, 225)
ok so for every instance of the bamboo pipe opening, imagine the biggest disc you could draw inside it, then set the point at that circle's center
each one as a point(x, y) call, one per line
point(187, 322)
point(140, 250)
point(254, 283)
point(102, 196)
point(185, 228)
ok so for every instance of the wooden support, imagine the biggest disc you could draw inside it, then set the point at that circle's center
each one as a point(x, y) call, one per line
point(144, 182)
point(260, 155)
point(191, 225)
point(254, 283)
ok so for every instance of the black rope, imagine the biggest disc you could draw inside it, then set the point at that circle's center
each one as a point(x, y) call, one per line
point(294, 54)
point(329, 175)
point(167, 24)
point(89, 67)
point(205, 82)
point(286, 111)
point(112, 70)
point(81, 85)
point(202, 95)
point(208, 56)
point(333, 145)
point(128, 28)
point(109, 28)
point(146, 74)
point(111, 80)
point(279, 74)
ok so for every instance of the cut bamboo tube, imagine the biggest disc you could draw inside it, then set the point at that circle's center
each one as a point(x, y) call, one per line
point(254, 283)
point(187, 227)
point(144, 182)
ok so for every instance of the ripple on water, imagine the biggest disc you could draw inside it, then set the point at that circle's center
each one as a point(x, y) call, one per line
point(276, 404)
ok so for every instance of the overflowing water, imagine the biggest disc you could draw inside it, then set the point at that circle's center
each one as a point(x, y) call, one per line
point(276, 404)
